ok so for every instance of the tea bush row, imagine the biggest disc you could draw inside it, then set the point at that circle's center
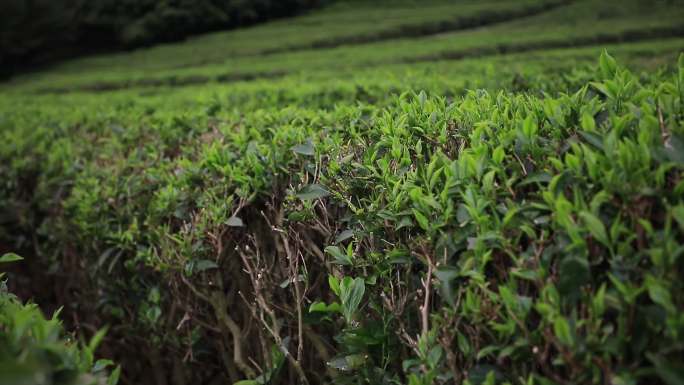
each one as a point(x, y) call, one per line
point(493, 238)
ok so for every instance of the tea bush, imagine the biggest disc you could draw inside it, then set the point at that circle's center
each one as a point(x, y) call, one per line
point(35, 351)
point(493, 237)
point(283, 204)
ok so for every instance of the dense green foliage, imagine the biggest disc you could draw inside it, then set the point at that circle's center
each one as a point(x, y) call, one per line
point(393, 210)
point(34, 350)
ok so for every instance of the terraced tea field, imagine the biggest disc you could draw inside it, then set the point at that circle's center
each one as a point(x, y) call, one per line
point(386, 192)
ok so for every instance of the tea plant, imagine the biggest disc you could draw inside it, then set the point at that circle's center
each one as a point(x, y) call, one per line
point(493, 237)
point(34, 350)
point(283, 204)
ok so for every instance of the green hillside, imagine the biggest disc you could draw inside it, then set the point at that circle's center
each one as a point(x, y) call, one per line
point(386, 192)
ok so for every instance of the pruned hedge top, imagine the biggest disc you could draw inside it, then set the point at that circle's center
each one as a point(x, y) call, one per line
point(494, 238)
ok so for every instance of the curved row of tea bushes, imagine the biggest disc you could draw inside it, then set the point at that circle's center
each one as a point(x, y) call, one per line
point(493, 238)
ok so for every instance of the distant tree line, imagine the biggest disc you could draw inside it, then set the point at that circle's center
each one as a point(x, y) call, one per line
point(34, 32)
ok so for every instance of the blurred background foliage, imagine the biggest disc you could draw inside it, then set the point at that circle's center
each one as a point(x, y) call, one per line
point(36, 32)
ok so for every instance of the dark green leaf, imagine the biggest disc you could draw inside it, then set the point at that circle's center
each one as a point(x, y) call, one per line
point(592, 138)
point(574, 273)
point(446, 275)
point(204, 264)
point(540, 177)
point(304, 149)
point(672, 373)
point(480, 373)
point(312, 191)
point(343, 236)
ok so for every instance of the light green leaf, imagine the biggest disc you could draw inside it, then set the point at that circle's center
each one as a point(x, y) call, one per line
point(102, 364)
point(334, 284)
point(321, 307)
point(530, 127)
point(97, 339)
point(659, 293)
point(596, 228)
point(607, 64)
point(561, 328)
point(10, 257)
point(422, 220)
point(680, 64)
point(598, 302)
point(498, 155)
point(114, 376)
point(603, 89)
point(351, 294)
point(587, 121)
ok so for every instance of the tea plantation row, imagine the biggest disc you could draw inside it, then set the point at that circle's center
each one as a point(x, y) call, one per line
point(383, 237)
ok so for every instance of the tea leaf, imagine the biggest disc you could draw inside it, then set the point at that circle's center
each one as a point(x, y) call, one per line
point(304, 149)
point(10, 257)
point(340, 257)
point(312, 191)
point(234, 222)
point(422, 220)
point(203, 265)
point(561, 329)
point(351, 294)
point(607, 64)
point(343, 236)
point(596, 227)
